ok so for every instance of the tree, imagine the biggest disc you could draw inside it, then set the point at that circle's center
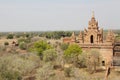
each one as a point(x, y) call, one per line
point(14, 66)
point(40, 46)
point(64, 46)
point(93, 60)
point(6, 43)
point(23, 40)
point(49, 55)
point(72, 52)
point(56, 34)
point(10, 36)
point(27, 35)
point(45, 73)
point(81, 62)
point(23, 46)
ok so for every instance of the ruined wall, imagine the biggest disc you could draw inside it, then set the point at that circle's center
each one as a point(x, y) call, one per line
point(106, 53)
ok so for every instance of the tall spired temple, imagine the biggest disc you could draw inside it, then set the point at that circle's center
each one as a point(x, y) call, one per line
point(92, 38)
point(93, 34)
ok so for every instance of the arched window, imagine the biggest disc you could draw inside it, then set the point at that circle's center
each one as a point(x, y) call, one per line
point(91, 39)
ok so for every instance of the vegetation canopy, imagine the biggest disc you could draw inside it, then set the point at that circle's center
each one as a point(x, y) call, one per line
point(73, 49)
point(49, 55)
point(40, 46)
point(71, 53)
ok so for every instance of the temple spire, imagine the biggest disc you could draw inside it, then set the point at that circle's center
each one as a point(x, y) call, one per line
point(73, 34)
point(93, 15)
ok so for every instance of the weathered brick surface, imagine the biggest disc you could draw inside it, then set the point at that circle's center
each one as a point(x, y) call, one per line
point(92, 38)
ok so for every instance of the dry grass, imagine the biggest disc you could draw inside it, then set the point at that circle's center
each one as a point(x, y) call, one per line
point(7, 40)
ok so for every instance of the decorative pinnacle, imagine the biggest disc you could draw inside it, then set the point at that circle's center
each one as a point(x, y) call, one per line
point(93, 14)
point(73, 34)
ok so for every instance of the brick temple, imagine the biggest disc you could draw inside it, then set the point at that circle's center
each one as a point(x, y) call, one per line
point(92, 38)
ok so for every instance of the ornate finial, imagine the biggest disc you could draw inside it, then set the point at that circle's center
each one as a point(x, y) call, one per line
point(93, 14)
point(73, 34)
point(80, 34)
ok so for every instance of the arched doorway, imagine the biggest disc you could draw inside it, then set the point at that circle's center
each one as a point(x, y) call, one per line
point(91, 39)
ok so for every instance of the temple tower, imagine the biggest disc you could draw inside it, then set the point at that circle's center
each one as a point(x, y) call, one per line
point(93, 34)
point(73, 37)
point(110, 37)
point(80, 37)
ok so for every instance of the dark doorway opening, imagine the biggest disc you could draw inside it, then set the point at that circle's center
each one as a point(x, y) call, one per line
point(103, 63)
point(91, 39)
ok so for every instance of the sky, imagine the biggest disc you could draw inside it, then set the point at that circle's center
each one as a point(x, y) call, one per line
point(51, 15)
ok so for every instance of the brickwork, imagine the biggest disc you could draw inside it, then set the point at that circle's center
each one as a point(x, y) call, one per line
point(92, 38)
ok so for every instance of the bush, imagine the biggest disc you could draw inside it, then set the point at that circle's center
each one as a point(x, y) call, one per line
point(23, 46)
point(11, 75)
point(67, 72)
point(10, 36)
point(13, 67)
point(23, 40)
point(17, 36)
point(40, 46)
point(27, 35)
point(72, 52)
point(82, 60)
point(71, 71)
point(6, 43)
point(49, 55)
point(45, 73)
point(93, 60)
point(64, 46)
point(5, 72)
point(2, 48)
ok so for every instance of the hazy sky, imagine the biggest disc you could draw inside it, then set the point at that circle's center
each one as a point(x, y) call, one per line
point(43, 15)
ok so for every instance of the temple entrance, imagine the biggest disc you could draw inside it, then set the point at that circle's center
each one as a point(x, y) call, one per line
point(91, 39)
point(103, 63)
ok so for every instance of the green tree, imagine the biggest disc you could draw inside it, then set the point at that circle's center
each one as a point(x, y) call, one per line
point(10, 36)
point(23, 46)
point(72, 52)
point(40, 46)
point(27, 35)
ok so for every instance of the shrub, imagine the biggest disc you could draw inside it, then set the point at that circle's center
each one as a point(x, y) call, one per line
point(67, 72)
point(2, 48)
point(5, 72)
point(45, 73)
point(40, 46)
point(6, 43)
point(10, 36)
point(82, 60)
point(71, 71)
point(72, 52)
point(23, 46)
point(64, 46)
point(13, 67)
point(11, 75)
point(93, 60)
point(49, 55)
point(23, 40)
point(27, 35)
point(17, 36)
